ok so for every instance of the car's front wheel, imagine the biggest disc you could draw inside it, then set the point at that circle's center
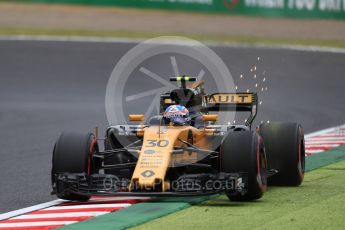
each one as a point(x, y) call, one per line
point(73, 154)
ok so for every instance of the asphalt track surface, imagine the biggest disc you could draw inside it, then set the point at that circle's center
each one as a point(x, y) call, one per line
point(47, 87)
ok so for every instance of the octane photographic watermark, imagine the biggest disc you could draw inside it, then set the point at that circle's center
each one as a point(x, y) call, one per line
point(142, 75)
point(114, 184)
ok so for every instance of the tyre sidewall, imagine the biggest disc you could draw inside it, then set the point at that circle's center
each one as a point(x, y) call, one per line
point(242, 152)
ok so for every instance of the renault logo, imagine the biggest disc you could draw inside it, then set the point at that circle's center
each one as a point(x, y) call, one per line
point(148, 173)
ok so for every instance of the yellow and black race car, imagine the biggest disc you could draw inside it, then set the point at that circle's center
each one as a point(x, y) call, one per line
point(200, 157)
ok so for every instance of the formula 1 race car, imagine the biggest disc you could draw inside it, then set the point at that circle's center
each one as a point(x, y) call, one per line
point(157, 158)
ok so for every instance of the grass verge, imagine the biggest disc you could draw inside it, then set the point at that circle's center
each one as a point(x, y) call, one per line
point(221, 38)
point(318, 204)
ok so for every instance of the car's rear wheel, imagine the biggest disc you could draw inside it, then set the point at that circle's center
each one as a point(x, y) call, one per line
point(284, 143)
point(243, 151)
point(73, 154)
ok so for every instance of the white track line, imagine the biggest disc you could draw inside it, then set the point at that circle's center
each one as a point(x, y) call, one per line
point(58, 215)
point(325, 139)
point(122, 205)
point(19, 212)
point(314, 151)
point(47, 38)
point(35, 224)
point(119, 198)
point(324, 131)
point(325, 142)
point(137, 40)
point(30, 209)
point(321, 145)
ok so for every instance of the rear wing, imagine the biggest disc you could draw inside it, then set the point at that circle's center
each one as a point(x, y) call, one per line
point(192, 95)
point(244, 102)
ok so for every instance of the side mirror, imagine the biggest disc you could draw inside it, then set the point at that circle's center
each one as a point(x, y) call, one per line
point(136, 117)
point(210, 117)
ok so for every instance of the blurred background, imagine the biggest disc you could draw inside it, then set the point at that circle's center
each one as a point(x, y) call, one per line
point(318, 22)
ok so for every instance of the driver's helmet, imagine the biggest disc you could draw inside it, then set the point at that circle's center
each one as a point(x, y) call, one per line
point(177, 115)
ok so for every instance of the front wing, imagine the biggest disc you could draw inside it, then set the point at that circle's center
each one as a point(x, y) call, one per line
point(186, 185)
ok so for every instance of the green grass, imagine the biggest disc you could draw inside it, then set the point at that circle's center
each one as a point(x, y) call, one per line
point(201, 37)
point(318, 204)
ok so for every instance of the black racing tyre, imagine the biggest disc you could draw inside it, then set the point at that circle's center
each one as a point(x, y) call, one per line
point(243, 151)
point(285, 150)
point(73, 154)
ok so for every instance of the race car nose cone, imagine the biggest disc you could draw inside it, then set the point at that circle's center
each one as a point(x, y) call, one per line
point(147, 173)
